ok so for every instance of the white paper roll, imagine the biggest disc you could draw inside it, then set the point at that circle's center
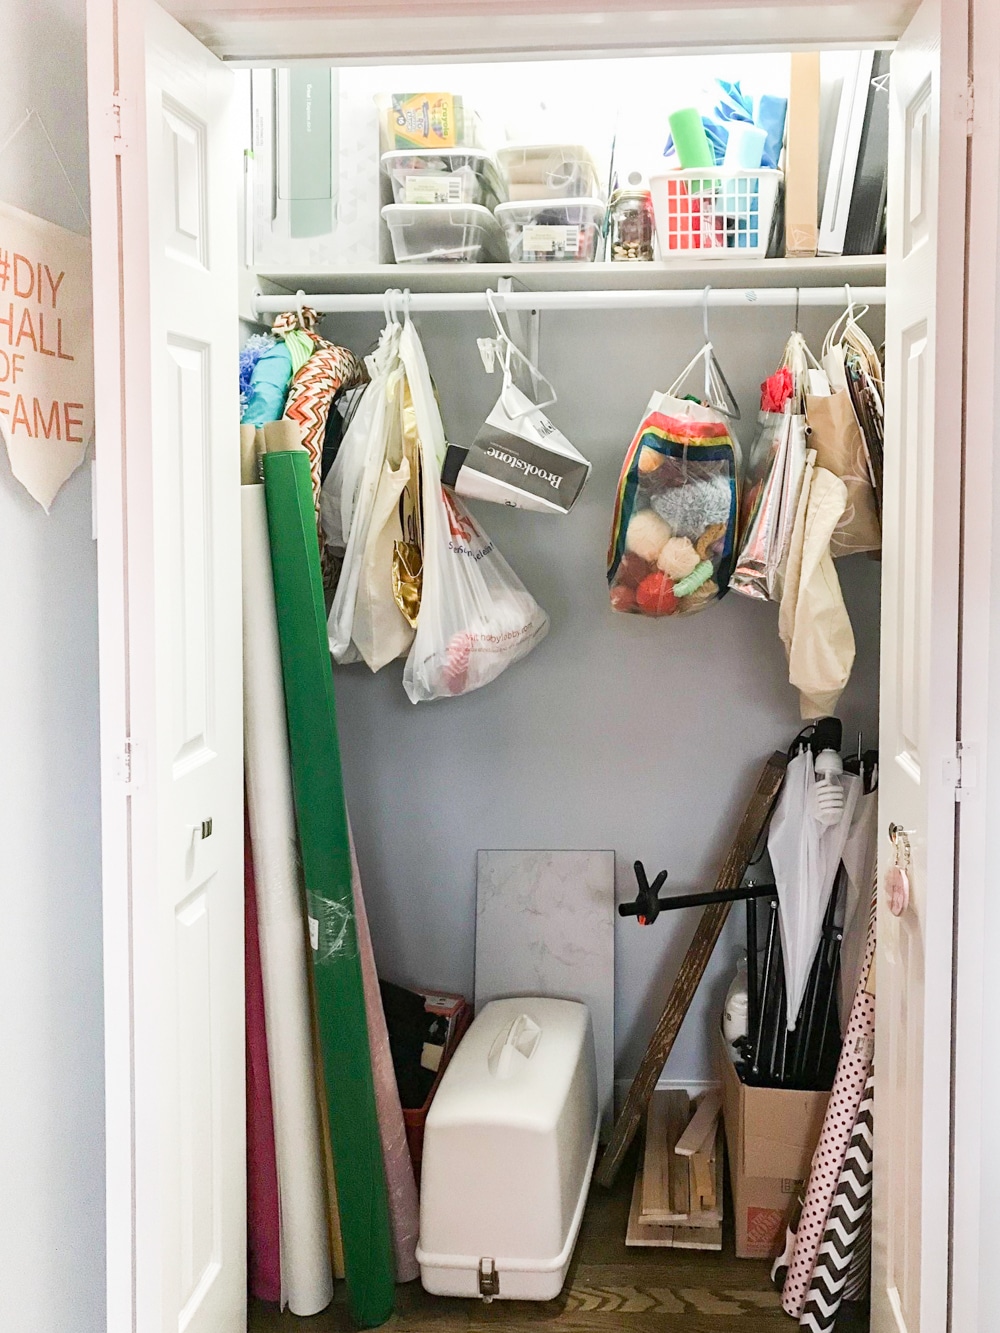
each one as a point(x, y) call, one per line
point(306, 1275)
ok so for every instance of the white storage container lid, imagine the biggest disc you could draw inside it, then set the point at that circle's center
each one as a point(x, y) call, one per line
point(579, 211)
point(471, 157)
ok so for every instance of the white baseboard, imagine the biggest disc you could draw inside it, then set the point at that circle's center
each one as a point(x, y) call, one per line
point(693, 1086)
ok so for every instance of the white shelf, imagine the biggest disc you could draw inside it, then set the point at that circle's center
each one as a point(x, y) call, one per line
point(672, 275)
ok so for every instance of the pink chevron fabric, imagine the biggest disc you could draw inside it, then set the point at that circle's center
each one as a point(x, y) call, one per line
point(835, 1136)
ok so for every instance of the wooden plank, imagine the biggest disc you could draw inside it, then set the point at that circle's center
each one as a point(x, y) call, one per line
point(656, 1158)
point(644, 1233)
point(700, 1132)
point(680, 1180)
point(702, 1181)
point(713, 918)
point(697, 1238)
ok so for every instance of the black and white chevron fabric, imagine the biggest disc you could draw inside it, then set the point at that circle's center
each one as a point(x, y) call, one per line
point(851, 1205)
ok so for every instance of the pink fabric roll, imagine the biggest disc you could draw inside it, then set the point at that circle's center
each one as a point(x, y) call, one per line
point(404, 1208)
point(263, 1233)
point(835, 1136)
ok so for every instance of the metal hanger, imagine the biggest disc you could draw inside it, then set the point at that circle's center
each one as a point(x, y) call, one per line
point(504, 348)
point(717, 393)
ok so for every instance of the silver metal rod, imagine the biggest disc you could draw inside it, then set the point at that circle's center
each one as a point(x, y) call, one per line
point(746, 298)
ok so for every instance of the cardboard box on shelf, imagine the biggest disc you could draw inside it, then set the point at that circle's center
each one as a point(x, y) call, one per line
point(771, 1135)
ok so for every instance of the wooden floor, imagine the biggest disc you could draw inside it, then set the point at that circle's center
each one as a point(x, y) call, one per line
point(610, 1289)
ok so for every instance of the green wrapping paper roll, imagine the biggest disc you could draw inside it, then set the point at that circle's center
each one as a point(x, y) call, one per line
point(321, 816)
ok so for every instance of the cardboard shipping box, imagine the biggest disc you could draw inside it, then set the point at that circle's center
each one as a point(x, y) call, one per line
point(771, 1134)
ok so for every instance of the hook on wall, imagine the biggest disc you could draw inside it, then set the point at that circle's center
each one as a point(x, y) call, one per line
point(704, 312)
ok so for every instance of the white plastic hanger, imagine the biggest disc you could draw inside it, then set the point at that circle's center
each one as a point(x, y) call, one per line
point(504, 348)
point(717, 393)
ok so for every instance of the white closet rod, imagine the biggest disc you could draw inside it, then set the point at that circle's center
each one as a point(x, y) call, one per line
point(372, 303)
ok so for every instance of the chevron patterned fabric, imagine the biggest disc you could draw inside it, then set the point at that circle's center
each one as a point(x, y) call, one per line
point(851, 1204)
point(311, 396)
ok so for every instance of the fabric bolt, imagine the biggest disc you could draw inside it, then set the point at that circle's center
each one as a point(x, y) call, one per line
point(263, 1227)
point(300, 346)
point(849, 1085)
point(269, 383)
point(312, 392)
point(851, 1204)
point(404, 1206)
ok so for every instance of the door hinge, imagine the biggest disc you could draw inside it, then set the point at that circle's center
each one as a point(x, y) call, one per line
point(962, 772)
point(129, 767)
point(117, 119)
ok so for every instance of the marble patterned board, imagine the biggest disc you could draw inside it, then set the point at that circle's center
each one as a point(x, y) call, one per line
point(545, 925)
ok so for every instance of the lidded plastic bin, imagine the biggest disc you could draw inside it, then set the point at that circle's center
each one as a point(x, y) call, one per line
point(543, 230)
point(444, 233)
point(721, 212)
point(509, 1148)
point(548, 171)
point(443, 176)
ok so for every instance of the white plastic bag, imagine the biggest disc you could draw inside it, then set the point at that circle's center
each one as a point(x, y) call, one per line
point(476, 617)
point(349, 492)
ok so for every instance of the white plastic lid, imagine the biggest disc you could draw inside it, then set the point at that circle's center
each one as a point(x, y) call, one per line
point(551, 205)
point(404, 214)
point(395, 153)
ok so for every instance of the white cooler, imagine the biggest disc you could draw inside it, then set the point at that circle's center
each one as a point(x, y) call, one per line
point(508, 1152)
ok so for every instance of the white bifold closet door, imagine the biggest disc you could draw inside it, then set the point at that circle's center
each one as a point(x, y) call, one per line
point(920, 651)
point(165, 174)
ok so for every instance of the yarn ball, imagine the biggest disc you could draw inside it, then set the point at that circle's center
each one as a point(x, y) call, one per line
point(712, 534)
point(655, 595)
point(700, 575)
point(699, 598)
point(689, 510)
point(671, 472)
point(632, 570)
point(650, 459)
point(622, 598)
point(647, 535)
point(678, 558)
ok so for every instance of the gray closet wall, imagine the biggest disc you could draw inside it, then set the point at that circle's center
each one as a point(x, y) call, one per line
point(640, 735)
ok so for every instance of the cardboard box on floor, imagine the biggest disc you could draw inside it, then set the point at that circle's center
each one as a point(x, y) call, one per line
point(771, 1134)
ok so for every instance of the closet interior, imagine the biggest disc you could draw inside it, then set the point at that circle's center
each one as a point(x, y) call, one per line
point(566, 702)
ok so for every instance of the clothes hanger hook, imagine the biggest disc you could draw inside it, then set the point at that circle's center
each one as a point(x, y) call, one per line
point(406, 303)
point(704, 312)
point(300, 297)
point(386, 308)
point(798, 300)
point(850, 301)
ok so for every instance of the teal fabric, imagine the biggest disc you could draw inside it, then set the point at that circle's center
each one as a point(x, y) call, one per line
point(269, 386)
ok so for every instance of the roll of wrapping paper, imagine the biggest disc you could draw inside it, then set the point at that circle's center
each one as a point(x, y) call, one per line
point(326, 862)
point(306, 1278)
point(835, 1136)
point(263, 1227)
point(404, 1206)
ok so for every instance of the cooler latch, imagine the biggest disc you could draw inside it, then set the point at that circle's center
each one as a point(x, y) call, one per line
point(489, 1279)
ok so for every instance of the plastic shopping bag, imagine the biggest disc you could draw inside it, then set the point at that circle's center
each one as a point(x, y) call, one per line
point(350, 496)
point(675, 516)
point(476, 617)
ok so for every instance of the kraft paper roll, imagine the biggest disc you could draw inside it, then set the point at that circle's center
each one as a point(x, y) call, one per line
point(321, 817)
point(404, 1207)
point(307, 1281)
point(263, 1226)
point(690, 140)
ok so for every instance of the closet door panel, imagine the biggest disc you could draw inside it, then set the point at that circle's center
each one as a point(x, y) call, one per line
point(920, 648)
point(167, 425)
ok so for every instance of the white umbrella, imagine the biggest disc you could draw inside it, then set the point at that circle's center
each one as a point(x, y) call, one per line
point(805, 855)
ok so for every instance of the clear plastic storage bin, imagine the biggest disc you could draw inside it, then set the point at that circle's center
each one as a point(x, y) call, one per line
point(444, 233)
point(722, 213)
point(548, 171)
point(541, 230)
point(443, 176)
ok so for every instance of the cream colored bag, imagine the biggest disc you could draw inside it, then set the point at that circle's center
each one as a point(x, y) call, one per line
point(836, 437)
point(813, 621)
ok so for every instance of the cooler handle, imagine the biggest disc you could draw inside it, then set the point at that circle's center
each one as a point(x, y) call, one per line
point(514, 1048)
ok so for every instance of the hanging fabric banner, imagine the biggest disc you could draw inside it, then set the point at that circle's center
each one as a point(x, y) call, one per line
point(46, 351)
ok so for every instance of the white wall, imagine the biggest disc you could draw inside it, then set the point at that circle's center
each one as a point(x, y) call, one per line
point(51, 1021)
point(641, 735)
